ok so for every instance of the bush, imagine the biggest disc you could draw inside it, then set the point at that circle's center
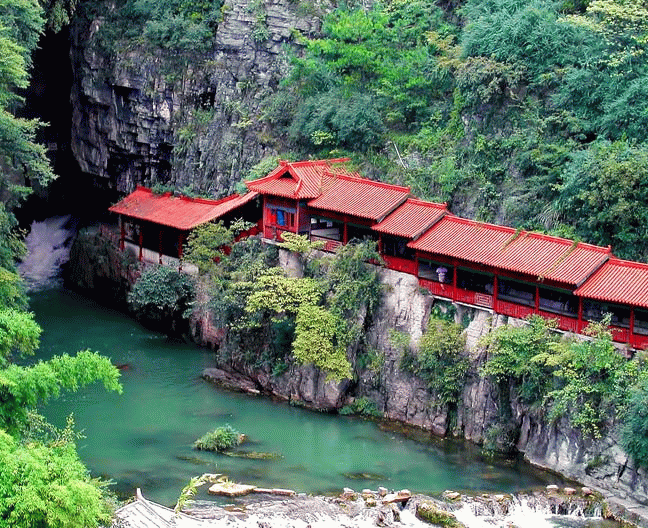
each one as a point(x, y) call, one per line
point(511, 353)
point(634, 431)
point(220, 439)
point(162, 294)
point(439, 360)
point(362, 406)
point(334, 119)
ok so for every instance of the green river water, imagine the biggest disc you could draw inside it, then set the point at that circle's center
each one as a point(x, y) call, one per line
point(144, 437)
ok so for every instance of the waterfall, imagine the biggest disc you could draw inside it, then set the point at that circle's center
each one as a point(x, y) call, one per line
point(48, 248)
point(532, 511)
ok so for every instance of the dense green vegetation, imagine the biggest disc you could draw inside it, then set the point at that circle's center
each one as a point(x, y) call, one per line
point(587, 383)
point(531, 114)
point(273, 319)
point(162, 295)
point(22, 161)
point(437, 360)
point(220, 439)
point(42, 481)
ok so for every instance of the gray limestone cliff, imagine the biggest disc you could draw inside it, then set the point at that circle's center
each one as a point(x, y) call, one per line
point(403, 397)
point(188, 120)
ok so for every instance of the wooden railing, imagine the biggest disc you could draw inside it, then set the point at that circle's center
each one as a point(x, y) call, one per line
point(330, 245)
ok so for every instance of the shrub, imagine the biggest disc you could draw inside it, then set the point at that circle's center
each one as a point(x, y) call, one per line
point(162, 294)
point(362, 406)
point(511, 353)
point(220, 439)
point(439, 361)
point(634, 431)
point(335, 119)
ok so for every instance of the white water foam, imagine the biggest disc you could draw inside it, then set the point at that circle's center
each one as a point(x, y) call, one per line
point(48, 248)
point(522, 515)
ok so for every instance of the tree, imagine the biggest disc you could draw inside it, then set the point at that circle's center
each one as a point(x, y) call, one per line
point(46, 485)
point(591, 380)
point(511, 357)
point(21, 24)
point(605, 191)
point(438, 361)
point(210, 243)
point(162, 294)
point(634, 430)
point(318, 341)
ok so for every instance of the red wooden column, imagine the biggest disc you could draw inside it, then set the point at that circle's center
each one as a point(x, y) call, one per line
point(537, 299)
point(580, 315)
point(345, 236)
point(454, 280)
point(141, 243)
point(297, 218)
point(159, 246)
point(180, 244)
point(632, 321)
point(122, 233)
point(380, 244)
point(495, 288)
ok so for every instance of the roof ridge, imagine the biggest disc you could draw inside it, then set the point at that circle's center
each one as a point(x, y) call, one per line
point(559, 261)
point(361, 179)
point(329, 161)
point(436, 205)
point(477, 223)
point(209, 201)
point(628, 263)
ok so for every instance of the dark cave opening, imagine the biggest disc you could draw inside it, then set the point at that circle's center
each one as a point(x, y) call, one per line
point(48, 99)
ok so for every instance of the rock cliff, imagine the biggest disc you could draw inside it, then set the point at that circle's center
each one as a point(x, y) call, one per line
point(400, 396)
point(190, 120)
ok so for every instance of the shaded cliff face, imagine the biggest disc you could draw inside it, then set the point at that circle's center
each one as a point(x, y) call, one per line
point(193, 121)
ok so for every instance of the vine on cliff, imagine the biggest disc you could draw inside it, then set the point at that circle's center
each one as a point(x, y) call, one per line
point(585, 381)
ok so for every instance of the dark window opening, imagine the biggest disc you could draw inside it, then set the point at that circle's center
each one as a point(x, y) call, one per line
point(641, 322)
point(436, 271)
point(477, 282)
point(360, 233)
point(595, 311)
point(558, 302)
point(396, 247)
point(517, 292)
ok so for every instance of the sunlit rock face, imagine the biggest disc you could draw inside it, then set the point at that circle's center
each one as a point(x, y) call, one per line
point(183, 119)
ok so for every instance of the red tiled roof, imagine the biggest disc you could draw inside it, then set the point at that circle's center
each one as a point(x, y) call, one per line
point(553, 258)
point(412, 218)
point(618, 281)
point(534, 254)
point(360, 197)
point(299, 180)
point(465, 239)
point(179, 212)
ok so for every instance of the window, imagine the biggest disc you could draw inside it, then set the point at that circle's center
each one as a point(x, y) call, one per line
point(641, 322)
point(282, 218)
point(477, 282)
point(517, 292)
point(435, 271)
point(559, 302)
point(595, 311)
point(396, 247)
